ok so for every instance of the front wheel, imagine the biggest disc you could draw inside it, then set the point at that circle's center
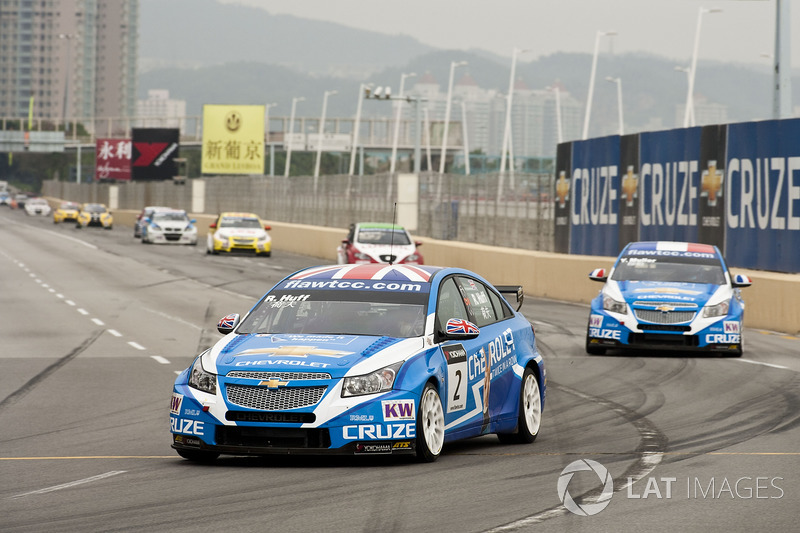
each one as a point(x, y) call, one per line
point(198, 456)
point(530, 412)
point(430, 425)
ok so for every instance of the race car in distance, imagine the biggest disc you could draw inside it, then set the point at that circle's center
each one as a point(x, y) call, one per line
point(95, 215)
point(173, 226)
point(371, 242)
point(239, 232)
point(364, 359)
point(37, 206)
point(146, 212)
point(670, 296)
point(66, 212)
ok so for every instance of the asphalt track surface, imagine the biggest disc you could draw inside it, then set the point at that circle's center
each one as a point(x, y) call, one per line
point(95, 326)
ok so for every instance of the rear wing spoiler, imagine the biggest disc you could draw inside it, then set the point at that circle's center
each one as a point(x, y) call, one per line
point(511, 291)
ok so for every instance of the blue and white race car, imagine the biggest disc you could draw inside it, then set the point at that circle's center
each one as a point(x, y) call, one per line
point(364, 359)
point(667, 295)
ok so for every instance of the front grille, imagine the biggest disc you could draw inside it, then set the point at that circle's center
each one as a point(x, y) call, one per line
point(172, 236)
point(664, 327)
point(664, 339)
point(274, 399)
point(664, 317)
point(261, 437)
point(249, 374)
point(244, 242)
point(388, 258)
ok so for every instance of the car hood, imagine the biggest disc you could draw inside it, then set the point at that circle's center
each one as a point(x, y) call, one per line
point(375, 251)
point(242, 232)
point(660, 291)
point(336, 355)
point(174, 226)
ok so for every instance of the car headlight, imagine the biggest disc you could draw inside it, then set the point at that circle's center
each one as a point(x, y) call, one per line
point(263, 238)
point(372, 383)
point(614, 306)
point(202, 380)
point(721, 309)
point(155, 227)
point(413, 258)
point(361, 256)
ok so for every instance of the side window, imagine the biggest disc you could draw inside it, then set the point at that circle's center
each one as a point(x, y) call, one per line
point(500, 306)
point(480, 303)
point(449, 304)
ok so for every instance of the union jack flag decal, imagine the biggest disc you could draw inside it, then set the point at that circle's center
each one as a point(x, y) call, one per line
point(228, 322)
point(459, 325)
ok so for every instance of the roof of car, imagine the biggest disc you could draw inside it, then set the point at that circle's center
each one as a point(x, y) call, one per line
point(378, 225)
point(673, 246)
point(370, 271)
point(234, 214)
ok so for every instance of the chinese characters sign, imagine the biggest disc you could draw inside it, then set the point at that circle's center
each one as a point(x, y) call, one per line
point(113, 159)
point(233, 139)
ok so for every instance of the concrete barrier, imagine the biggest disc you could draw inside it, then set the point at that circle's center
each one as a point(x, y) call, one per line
point(773, 302)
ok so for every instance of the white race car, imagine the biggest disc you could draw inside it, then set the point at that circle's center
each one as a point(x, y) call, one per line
point(164, 227)
point(37, 206)
point(371, 242)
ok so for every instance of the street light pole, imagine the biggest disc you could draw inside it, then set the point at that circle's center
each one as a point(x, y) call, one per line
point(403, 77)
point(453, 66)
point(509, 98)
point(688, 119)
point(291, 136)
point(687, 70)
point(68, 38)
point(465, 137)
point(559, 129)
point(357, 126)
point(591, 80)
point(618, 81)
point(266, 138)
point(321, 133)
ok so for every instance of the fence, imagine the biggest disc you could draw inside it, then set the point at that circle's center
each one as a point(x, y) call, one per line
point(487, 208)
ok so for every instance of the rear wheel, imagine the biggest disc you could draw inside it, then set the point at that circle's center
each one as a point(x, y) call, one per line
point(530, 412)
point(430, 425)
point(198, 456)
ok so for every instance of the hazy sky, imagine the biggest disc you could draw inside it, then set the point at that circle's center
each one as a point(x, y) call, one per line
point(742, 32)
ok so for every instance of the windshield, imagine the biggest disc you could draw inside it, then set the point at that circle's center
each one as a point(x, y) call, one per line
point(94, 208)
point(687, 270)
point(240, 222)
point(177, 216)
point(383, 236)
point(338, 313)
point(69, 205)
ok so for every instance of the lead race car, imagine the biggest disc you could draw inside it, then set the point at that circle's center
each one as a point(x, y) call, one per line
point(670, 296)
point(364, 359)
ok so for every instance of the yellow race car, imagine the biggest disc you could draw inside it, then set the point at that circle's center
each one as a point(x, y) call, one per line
point(95, 215)
point(239, 232)
point(66, 212)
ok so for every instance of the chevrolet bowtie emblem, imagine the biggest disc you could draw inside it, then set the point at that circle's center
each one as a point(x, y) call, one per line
point(665, 308)
point(273, 383)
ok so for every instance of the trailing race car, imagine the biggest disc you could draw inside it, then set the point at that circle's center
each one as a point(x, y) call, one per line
point(95, 215)
point(37, 206)
point(371, 242)
point(146, 213)
point(172, 226)
point(364, 359)
point(239, 232)
point(668, 295)
point(67, 211)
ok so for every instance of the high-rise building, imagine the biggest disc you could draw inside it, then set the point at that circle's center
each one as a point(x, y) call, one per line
point(68, 59)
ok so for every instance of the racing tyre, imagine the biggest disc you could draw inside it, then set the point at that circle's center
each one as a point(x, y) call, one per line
point(530, 412)
point(198, 456)
point(593, 349)
point(430, 425)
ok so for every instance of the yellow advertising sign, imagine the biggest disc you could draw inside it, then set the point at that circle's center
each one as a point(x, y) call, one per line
point(233, 139)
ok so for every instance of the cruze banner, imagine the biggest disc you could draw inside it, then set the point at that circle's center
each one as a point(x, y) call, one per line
point(736, 186)
point(233, 139)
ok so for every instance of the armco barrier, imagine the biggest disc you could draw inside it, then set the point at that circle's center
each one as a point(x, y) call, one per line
point(773, 302)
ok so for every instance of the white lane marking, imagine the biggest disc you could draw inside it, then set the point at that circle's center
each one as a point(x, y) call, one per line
point(160, 359)
point(32, 275)
point(71, 484)
point(114, 332)
point(137, 345)
point(178, 372)
point(59, 295)
point(45, 285)
point(98, 322)
point(70, 302)
point(51, 290)
point(176, 319)
point(83, 311)
point(762, 364)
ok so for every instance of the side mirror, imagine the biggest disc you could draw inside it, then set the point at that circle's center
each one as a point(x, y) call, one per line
point(598, 274)
point(740, 280)
point(417, 243)
point(213, 225)
point(460, 329)
point(228, 323)
point(193, 221)
point(267, 228)
point(345, 241)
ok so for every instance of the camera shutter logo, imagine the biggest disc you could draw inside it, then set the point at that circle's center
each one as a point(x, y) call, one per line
point(586, 509)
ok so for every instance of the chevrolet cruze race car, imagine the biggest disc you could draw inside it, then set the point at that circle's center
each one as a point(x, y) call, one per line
point(37, 206)
point(363, 359)
point(95, 215)
point(370, 242)
point(667, 295)
point(66, 211)
point(239, 232)
point(174, 226)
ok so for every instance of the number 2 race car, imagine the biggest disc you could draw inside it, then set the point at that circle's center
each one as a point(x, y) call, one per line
point(667, 295)
point(363, 359)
